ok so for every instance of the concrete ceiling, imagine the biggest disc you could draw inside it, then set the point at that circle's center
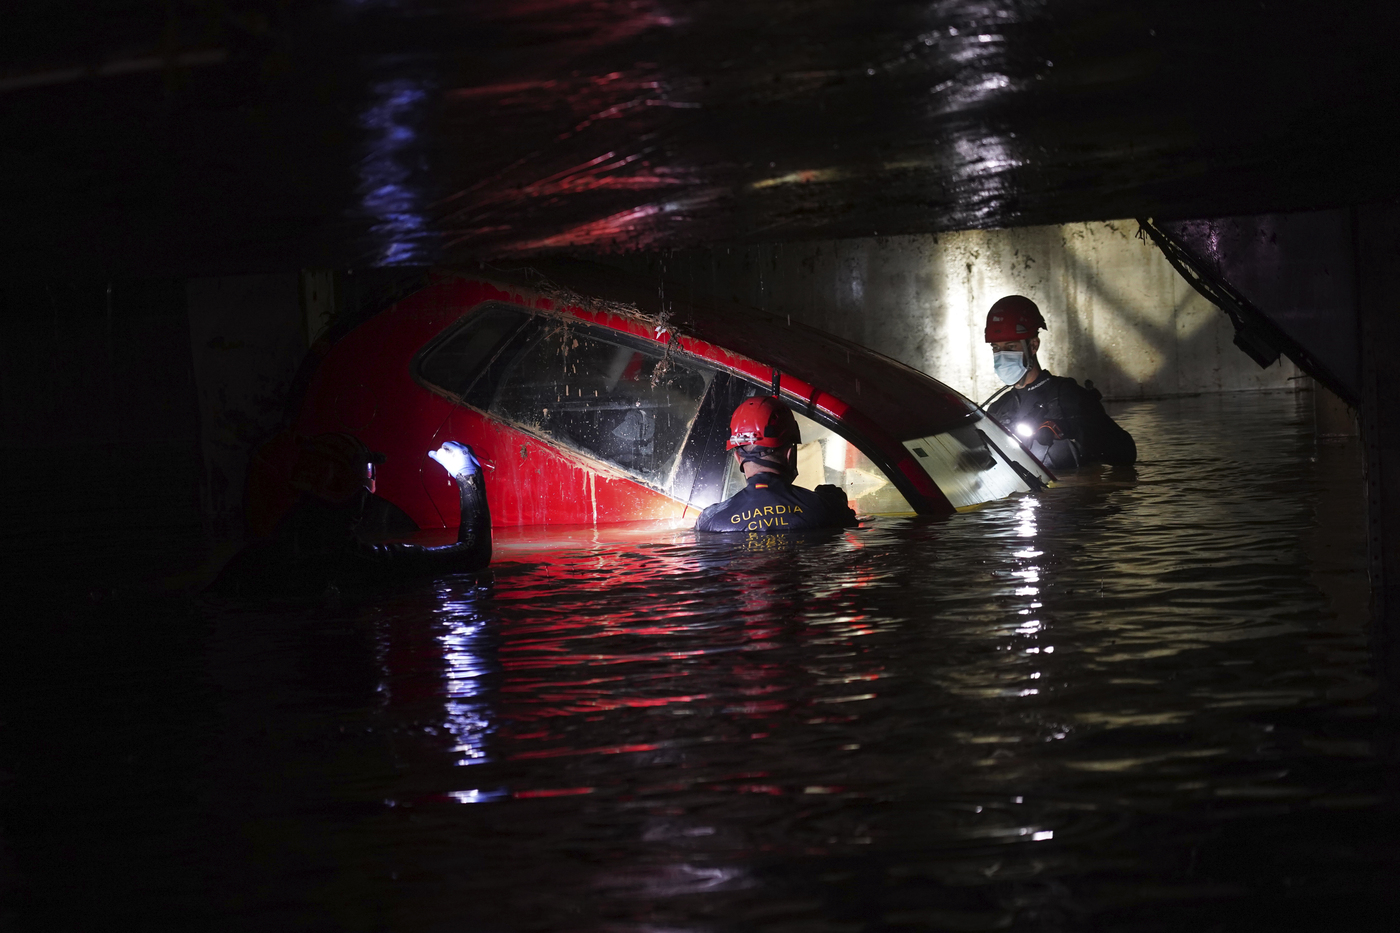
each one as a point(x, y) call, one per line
point(198, 136)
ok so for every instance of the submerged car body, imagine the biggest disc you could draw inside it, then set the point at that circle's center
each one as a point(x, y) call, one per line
point(590, 401)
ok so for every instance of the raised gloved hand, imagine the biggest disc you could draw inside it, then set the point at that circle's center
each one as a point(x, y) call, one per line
point(1048, 433)
point(457, 459)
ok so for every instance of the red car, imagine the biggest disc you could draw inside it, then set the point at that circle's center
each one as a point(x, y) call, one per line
point(589, 403)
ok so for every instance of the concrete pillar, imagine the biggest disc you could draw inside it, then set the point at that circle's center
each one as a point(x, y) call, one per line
point(1377, 241)
point(1332, 418)
point(318, 302)
point(248, 335)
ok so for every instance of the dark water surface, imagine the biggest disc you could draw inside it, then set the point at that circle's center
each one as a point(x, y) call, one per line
point(1134, 702)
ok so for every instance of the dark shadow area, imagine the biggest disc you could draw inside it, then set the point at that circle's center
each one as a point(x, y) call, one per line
point(254, 135)
point(100, 432)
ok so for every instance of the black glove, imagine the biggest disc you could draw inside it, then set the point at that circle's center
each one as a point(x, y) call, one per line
point(1048, 434)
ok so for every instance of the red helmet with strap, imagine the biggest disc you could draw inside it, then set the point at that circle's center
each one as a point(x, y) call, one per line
point(762, 421)
point(1014, 317)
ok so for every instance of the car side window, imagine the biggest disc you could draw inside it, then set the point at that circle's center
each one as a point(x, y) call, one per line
point(458, 360)
point(826, 457)
point(626, 403)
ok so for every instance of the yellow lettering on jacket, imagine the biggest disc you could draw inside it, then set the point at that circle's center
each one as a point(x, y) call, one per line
point(757, 521)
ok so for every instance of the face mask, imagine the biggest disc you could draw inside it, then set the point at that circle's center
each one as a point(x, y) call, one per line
point(1010, 365)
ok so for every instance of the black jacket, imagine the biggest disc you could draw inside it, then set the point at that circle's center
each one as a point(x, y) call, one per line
point(315, 546)
point(1089, 434)
point(770, 504)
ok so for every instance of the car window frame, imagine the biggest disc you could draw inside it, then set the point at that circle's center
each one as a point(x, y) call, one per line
point(520, 340)
point(464, 320)
point(523, 337)
point(851, 436)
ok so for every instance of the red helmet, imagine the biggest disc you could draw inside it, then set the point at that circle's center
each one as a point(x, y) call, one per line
point(1013, 318)
point(762, 421)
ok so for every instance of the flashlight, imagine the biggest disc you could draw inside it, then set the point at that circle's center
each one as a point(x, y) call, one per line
point(1025, 430)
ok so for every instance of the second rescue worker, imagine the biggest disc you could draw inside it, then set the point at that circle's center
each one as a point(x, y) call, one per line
point(764, 436)
point(1062, 422)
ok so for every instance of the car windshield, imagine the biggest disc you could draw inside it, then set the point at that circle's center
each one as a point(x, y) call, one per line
point(628, 405)
point(826, 457)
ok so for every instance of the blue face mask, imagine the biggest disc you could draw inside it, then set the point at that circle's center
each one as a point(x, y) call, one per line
point(1010, 365)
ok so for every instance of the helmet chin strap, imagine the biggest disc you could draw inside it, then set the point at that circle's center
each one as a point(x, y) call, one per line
point(1028, 356)
point(755, 454)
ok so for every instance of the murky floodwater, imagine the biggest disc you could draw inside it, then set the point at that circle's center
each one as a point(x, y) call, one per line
point(1134, 702)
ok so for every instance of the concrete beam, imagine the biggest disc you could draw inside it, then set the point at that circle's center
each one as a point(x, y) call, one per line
point(1119, 314)
point(1377, 238)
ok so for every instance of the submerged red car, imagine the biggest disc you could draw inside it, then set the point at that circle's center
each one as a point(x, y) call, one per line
point(592, 402)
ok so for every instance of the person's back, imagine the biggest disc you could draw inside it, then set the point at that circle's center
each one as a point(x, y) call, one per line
point(764, 438)
point(770, 504)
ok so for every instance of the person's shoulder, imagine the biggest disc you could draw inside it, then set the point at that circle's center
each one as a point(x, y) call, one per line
point(834, 499)
point(1068, 385)
point(823, 498)
point(1069, 382)
point(708, 516)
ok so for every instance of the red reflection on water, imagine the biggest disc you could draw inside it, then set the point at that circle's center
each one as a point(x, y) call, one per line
point(552, 792)
point(606, 649)
point(604, 750)
point(771, 790)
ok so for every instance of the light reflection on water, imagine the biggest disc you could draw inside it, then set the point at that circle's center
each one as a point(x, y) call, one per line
point(1026, 716)
point(467, 715)
point(390, 171)
point(1125, 703)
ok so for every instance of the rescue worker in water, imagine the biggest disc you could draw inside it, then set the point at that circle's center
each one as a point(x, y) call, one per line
point(764, 436)
point(315, 545)
point(1062, 422)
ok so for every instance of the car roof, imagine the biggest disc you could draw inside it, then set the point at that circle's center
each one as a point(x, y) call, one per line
point(901, 401)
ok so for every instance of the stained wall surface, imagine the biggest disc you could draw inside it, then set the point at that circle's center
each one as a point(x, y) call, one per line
point(247, 337)
point(99, 430)
point(1117, 312)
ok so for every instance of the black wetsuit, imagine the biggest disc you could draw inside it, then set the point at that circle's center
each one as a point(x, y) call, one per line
point(315, 546)
point(770, 504)
point(1089, 434)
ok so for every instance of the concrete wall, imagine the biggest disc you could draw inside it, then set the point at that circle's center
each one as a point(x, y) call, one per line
point(247, 337)
point(1118, 313)
point(99, 430)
